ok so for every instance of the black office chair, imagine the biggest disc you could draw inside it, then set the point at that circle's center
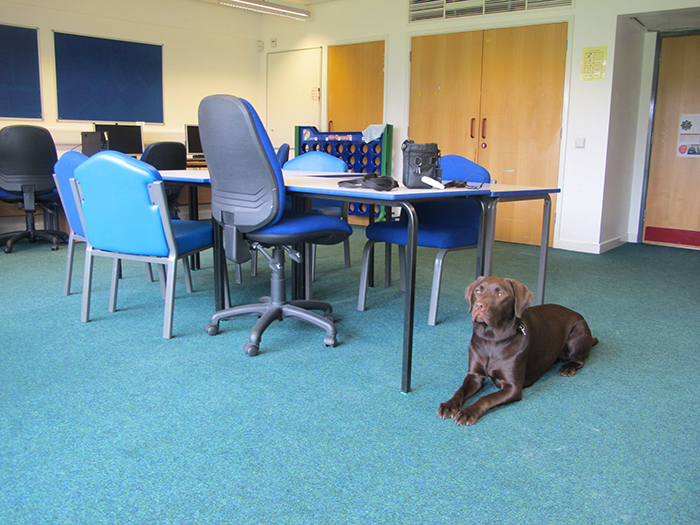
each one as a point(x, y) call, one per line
point(247, 200)
point(27, 158)
point(168, 156)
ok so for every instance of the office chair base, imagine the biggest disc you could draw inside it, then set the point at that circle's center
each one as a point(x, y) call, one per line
point(54, 237)
point(268, 313)
point(276, 308)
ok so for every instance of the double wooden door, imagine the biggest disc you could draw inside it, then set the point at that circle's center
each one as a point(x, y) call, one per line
point(495, 97)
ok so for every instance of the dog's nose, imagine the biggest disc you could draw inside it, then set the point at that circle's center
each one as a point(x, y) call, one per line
point(479, 305)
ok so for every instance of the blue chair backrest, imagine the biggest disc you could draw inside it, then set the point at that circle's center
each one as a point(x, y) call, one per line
point(246, 177)
point(64, 170)
point(117, 208)
point(466, 212)
point(316, 161)
point(283, 154)
point(456, 167)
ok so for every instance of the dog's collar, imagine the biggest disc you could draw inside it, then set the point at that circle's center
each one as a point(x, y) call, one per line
point(522, 329)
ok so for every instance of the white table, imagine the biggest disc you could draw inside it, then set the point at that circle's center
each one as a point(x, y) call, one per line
point(319, 184)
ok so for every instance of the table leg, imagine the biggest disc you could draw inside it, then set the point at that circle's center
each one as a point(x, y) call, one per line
point(544, 247)
point(489, 232)
point(409, 308)
point(193, 209)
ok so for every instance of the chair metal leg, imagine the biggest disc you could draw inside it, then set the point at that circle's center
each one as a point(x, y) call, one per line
point(162, 279)
point(149, 272)
point(364, 276)
point(114, 286)
point(188, 275)
point(87, 285)
point(171, 276)
point(69, 262)
point(435, 291)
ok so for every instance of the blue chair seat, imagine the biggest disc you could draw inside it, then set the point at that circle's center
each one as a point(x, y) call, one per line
point(430, 235)
point(303, 227)
point(191, 235)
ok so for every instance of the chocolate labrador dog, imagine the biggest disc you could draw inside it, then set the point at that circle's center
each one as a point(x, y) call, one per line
point(513, 345)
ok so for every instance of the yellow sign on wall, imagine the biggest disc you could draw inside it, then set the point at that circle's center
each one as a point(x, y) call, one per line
point(593, 63)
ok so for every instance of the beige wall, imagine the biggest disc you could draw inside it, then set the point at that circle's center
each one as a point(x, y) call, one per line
point(206, 49)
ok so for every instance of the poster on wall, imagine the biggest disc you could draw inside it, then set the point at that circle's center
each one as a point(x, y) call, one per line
point(593, 63)
point(689, 136)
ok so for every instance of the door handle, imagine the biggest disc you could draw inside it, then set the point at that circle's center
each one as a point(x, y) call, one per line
point(483, 128)
point(471, 128)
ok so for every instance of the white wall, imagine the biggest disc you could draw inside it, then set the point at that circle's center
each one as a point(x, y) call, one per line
point(206, 49)
point(597, 209)
point(210, 48)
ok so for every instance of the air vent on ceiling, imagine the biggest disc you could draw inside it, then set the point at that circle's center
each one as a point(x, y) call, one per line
point(421, 10)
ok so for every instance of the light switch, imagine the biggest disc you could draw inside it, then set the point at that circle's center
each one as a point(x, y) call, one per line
point(580, 143)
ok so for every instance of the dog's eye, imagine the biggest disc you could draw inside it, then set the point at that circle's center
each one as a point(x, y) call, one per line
point(477, 291)
point(500, 293)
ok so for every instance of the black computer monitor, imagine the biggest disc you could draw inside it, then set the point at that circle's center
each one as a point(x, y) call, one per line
point(123, 137)
point(192, 142)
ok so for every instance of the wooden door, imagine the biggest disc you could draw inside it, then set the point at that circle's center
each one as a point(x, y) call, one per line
point(356, 85)
point(673, 192)
point(446, 91)
point(521, 108)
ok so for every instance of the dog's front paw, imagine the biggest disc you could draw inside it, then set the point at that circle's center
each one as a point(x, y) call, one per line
point(448, 409)
point(467, 416)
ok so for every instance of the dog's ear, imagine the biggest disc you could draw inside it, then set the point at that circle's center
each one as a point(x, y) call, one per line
point(469, 294)
point(523, 297)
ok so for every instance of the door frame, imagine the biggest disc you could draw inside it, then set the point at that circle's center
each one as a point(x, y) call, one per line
point(652, 115)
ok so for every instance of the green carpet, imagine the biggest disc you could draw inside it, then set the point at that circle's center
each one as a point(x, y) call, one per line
point(106, 422)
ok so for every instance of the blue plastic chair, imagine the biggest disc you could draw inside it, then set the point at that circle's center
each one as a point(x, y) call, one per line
point(63, 172)
point(322, 161)
point(248, 202)
point(124, 212)
point(447, 225)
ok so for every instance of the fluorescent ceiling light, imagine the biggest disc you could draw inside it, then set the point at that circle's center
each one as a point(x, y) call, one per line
point(268, 8)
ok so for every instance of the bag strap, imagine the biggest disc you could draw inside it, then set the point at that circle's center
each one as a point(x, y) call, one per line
point(371, 181)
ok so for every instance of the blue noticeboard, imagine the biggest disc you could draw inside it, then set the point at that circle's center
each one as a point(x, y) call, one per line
point(108, 80)
point(20, 90)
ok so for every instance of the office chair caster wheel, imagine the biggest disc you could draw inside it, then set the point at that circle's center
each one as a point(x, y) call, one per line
point(330, 340)
point(251, 349)
point(212, 329)
point(54, 247)
point(8, 250)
